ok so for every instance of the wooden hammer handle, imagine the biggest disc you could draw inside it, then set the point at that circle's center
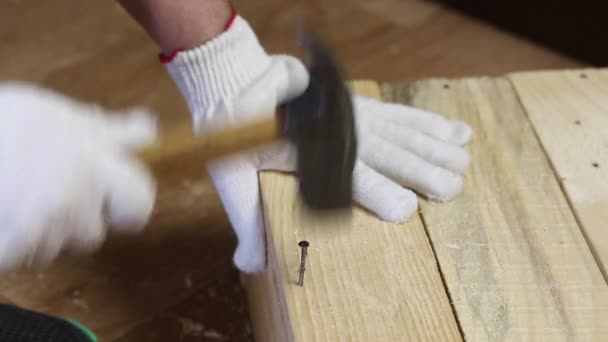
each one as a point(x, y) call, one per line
point(180, 144)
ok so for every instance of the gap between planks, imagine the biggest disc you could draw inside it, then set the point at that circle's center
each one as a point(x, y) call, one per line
point(441, 273)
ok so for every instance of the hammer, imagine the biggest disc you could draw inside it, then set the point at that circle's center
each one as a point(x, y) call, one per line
point(320, 123)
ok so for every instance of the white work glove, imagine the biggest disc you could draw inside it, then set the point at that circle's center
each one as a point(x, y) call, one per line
point(231, 79)
point(66, 175)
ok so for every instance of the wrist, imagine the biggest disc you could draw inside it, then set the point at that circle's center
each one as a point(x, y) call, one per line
point(171, 49)
point(179, 24)
point(218, 68)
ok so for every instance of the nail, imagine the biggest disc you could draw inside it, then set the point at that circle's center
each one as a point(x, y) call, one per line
point(304, 246)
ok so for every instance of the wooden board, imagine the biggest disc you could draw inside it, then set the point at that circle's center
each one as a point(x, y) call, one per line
point(569, 111)
point(371, 281)
point(512, 255)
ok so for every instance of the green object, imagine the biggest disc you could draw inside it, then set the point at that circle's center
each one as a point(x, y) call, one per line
point(84, 329)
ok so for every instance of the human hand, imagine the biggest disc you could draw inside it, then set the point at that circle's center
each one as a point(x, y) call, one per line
point(65, 172)
point(232, 79)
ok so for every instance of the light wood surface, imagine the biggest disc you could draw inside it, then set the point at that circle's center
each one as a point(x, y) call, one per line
point(511, 252)
point(369, 281)
point(569, 111)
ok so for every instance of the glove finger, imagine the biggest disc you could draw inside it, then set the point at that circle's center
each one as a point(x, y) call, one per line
point(84, 221)
point(80, 232)
point(131, 129)
point(380, 195)
point(129, 194)
point(79, 229)
point(437, 152)
point(15, 246)
point(236, 181)
point(451, 131)
point(410, 170)
point(37, 241)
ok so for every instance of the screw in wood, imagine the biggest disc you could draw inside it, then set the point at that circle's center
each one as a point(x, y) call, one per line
point(304, 246)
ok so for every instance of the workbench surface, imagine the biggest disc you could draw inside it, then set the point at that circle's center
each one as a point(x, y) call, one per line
point(520, 255)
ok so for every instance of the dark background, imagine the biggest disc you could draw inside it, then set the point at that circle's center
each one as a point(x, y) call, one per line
point(578, 29)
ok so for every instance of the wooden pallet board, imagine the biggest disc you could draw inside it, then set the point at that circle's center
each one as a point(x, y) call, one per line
point(359, 278)
point(569, 112)
point(514, 260)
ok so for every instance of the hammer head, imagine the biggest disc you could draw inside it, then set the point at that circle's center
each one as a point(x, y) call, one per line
point(321, 124)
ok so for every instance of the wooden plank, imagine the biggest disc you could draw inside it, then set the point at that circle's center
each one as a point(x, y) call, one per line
point(569, 111)
point(510, 250)
point(371, 281)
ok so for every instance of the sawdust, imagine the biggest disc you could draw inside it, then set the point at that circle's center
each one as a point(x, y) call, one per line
point(77, 300)
point(190, 327)
point(452, 245)
point(81, 303)
point(196, 192)
point(212, 334)
point(477, 278)
point(195, 329)
point(188, 280)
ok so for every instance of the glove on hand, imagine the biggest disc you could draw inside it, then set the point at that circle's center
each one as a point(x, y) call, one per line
point(65, 168)
point(231, 79)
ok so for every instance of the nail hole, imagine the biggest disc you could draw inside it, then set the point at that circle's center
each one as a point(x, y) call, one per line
point(583, 75)
point(303, 243)
point(595, 165)
point(577, 122)
point(446, 86)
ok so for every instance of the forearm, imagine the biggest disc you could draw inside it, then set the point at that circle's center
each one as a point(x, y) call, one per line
point(181, 24)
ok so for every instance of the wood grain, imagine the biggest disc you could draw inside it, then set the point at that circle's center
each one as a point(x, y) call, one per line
point(365, 280)
point(569, 112)
point(510, 250)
